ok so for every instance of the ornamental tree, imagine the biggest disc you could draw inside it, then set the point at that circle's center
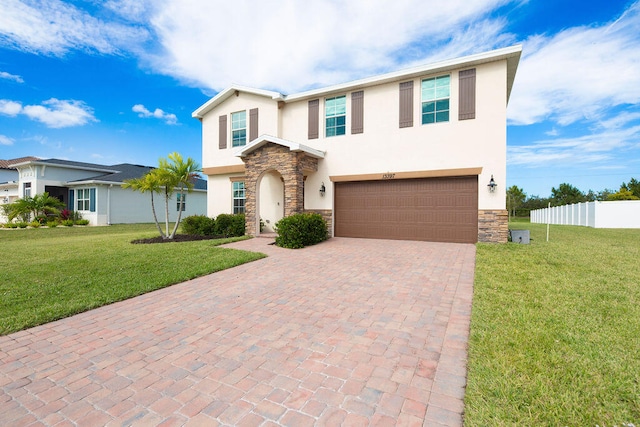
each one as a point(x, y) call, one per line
point(174, 175)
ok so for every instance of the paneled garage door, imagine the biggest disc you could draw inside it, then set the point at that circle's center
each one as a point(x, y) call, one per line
point(430, 209)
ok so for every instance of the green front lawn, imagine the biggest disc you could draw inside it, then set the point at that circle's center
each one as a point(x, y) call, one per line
point(555, 330)
point(48, 274)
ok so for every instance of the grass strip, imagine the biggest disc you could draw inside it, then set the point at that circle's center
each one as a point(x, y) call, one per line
point(48, 274)
point(555, 330)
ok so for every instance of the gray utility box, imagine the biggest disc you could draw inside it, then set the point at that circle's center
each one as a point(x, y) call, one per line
point(520, 236)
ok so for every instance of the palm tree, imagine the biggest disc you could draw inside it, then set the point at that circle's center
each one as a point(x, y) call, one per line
point(172, 173)
point(40, 204)
point(182, 174)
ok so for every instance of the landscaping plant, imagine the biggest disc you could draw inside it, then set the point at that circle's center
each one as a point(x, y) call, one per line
point(300, 230)
point(173, 175)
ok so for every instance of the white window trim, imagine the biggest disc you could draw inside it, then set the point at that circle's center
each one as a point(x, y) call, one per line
point(245, 128)
point(435, 99)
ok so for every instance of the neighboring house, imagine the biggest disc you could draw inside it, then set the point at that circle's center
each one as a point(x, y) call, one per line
point(9, 181)
point(95, 191)
point(405, 155)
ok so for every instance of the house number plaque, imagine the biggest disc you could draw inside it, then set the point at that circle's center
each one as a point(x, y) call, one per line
point(388, 175)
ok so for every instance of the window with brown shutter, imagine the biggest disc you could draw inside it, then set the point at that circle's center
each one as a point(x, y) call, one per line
point(222, 132)
point(467, 94)
point(314, 110)
point(406, 104)
point(253, 124)
point(357, 112)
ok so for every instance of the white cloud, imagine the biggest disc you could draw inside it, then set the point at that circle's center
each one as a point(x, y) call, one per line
point(8, 76)
point(53, 27)
point(131, 10)
point(578, 73)
point(5, 140)
point(295, 45)
point(592, 148)
point(55, 113)
point(10, 108)
point(142, 111)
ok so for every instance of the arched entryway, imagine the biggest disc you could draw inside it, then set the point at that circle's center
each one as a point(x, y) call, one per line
point(268, 160)
point(270, 202)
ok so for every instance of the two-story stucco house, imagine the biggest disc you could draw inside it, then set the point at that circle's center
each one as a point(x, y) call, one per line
point(417, 154)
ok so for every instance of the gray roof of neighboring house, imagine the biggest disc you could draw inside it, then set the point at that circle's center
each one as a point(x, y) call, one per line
point(126, 171)
point(116, 173)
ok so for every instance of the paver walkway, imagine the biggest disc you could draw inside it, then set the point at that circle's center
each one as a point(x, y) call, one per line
point(348, 332)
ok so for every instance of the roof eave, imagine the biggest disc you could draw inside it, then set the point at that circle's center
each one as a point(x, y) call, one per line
point(61, 165)
point(226, 93)
point(511, 54)
point(264, 139)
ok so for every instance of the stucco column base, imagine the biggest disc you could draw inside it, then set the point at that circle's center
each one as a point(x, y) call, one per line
point(493, 226)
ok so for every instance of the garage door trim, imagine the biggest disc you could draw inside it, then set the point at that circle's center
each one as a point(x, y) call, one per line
point(439, 173)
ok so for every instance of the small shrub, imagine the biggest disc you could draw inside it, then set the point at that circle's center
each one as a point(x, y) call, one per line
point(11, 225)
point(34, 224)
point(300, 230)
point(66, 214)
point(41, 219)
point(22, 224)
point(67, 222)
point(228, 225)
point(81, 222)
point(52, 224)
point(198, 225)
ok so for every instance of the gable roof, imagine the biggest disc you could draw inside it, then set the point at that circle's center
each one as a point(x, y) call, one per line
point(510, 54)
point(225, 94)
point(9, 164)
point(264, 139)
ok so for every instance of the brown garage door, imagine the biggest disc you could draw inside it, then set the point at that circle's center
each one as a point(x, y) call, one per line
point(431, 209)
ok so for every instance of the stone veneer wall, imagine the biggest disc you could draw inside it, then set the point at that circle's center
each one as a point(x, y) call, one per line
point(493, 226)
point(290, 165)
point(327, 215)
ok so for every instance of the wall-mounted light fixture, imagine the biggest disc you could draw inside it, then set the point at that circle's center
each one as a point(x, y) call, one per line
point(322, 190)
point(492, 185)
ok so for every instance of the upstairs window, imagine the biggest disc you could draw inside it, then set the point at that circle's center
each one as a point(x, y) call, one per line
point(238, 129)
point(26, 190)
point(336, 115)
point(238, 197)
point(435, 99)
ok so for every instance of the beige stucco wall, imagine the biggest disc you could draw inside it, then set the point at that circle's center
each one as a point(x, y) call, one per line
point(383, 147)
point(220, 194)
point(267, 124)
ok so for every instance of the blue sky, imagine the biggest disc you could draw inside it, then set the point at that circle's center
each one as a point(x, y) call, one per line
point(111, 81)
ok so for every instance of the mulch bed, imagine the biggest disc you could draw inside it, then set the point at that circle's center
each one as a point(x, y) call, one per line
point(176, 238)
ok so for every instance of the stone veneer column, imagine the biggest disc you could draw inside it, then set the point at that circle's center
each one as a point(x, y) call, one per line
point(291, 167)
point(493, 226)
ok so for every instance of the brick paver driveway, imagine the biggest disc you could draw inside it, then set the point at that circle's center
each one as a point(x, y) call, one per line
point(348, 332)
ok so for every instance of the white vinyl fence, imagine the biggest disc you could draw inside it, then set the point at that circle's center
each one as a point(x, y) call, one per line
point(615, 214)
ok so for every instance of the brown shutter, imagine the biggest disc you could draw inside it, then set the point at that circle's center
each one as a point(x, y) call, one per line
point(467, 95)
point(357, 112)
point(314, 110)
point(406, 104)
point(222, 132)
point(253, 124)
